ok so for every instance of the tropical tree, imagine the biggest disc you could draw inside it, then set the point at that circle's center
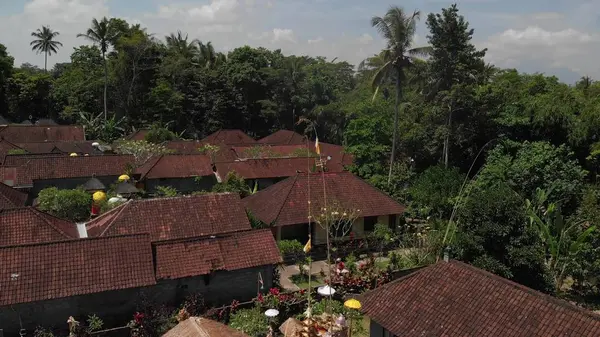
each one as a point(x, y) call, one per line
point(179, 44)
point(398, 29)
point(45, 43)
point(103, 34)
point(208, 57)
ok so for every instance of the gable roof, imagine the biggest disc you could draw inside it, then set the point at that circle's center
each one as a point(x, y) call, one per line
point(74, 267)
point(31, 133)
point(286, 203)
point(456, 299)
point(283, 137)
point(11, 198)
point(174, 218)
point(177, 166)
point(62, 167)
point(229, 137)
point(80, 147)
point(194, 257)
point(202, 327)
point(267, 167)
point(28, 225)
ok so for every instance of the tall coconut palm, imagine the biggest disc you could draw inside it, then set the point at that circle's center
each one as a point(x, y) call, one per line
point(103, 34)
point(179, 44)
point(45, 43)
point(398, 29)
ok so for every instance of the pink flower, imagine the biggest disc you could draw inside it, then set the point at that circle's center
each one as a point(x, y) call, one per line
point(274, 291)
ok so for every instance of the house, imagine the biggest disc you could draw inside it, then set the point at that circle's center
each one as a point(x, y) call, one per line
point(203, 244)
point(455, 299)
point(17, 133)
point(228, 137)
point(28, 225)
point(185, 173)
point(42, 284)
point(63, 172)
point(202, 327)
point(66, 147)
point(285, 205)
point(11, 198)
point(284, 137)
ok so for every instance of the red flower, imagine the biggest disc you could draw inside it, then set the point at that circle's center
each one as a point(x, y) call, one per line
point(260, 298)
point(302, 291)
point(351, 236)
point(138, 317)
point(274, 291)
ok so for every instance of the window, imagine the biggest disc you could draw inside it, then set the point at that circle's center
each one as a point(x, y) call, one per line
point(370, 222)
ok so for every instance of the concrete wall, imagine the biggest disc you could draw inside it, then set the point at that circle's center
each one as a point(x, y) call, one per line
point(182, 185)
point(116, 308)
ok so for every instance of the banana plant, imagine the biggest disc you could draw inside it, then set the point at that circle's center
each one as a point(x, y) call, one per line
point(562, 238)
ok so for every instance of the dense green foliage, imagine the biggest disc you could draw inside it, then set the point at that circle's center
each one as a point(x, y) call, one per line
point(462, 143)
point(74, 205)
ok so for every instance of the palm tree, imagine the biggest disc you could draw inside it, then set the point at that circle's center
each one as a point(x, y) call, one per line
point(180, 45)
point(398, 29)
point(102, 33)
point(45, 43)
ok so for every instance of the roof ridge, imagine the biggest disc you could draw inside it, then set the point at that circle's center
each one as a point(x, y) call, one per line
point(531, 291)
point(120, 209)
point(40, 214)
point(290, 188)
point(95, 238)
point(151, 167)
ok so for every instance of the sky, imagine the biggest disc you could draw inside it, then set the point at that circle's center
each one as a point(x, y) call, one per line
point(556, 37)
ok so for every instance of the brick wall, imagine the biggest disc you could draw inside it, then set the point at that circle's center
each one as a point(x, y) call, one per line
point(116, 308)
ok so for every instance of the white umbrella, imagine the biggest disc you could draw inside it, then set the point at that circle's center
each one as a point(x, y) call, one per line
point(271, 313)
point(326, 290)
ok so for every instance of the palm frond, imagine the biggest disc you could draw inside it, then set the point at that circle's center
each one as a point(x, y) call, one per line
point(380, 76)
point(382, 27)
point(421, 51)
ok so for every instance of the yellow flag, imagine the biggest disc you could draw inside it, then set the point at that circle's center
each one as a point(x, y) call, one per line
point(307, 247)
point(317, 147)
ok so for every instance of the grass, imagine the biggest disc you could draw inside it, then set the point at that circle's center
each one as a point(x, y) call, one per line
point(302, 281)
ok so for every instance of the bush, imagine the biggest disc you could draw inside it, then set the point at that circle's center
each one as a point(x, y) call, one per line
point(252, 322)
point(158, 134)
point(73, 205)
point(166, 191)
point(434, 190)
point(233, 183)
point(16, 151)
point(290, 247)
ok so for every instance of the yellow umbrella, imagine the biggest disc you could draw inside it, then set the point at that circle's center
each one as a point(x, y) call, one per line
point(99, 196)
point(352, 304)
point(123, 177)
point(73, 154)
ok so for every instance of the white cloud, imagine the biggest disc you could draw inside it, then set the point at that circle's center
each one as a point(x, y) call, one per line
point(283, 35)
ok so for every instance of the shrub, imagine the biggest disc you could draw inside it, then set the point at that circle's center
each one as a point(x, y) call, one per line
point(290, 247)
point(252, 322)
point(158, 134)
point(73, 205)
point(16, 151)
point(233, 183)
point(434, 190)
point(166, 191)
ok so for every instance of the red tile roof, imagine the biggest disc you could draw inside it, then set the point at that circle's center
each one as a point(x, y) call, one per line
point(202, 327)
point(22, 159)
point(5, 147)
point(194, 257)
point(60, 167)
point(45, 271)
point(138, 135)
point(267, 168)
point(283, 137)
point(27, 225)
point(177, 166)
point(229, 137)
point(11, 198)
point(455, 299)
point(270, 151)
point(80, 147)
point(30, 133)
point(184, 146)
point(337, 154)
point(286, 203)
point(174, 218)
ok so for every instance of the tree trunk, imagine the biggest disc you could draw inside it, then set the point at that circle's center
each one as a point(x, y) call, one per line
point(447, 140)
point(395, 134)
point(105, 85)
point(46, 62)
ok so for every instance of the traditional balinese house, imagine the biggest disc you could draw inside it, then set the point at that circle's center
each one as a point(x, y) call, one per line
point(285, 206)
point(228, 137)
point(17, 133)
point(284, 137)
point(185, 173)
point(11, 198)
point(94, 185)
point(455, 299)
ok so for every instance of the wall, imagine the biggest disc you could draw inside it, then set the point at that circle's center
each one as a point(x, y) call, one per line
point(182, 185)
point(116, 308)
point(375, 330)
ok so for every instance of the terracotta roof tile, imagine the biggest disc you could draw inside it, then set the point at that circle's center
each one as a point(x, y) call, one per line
point(28, 225)
point(269, 168)
point(283, 137)
point(202, 327)
point(11, 198)
point(286, 202)
point(5, 147)
point(224, 154)
point(200, 256)
point(29, 133)
point(21, 159)
point(138, 135)
point(59, 167)
point(174, 218)
point(455, 299)
point(45, 271)
point(79, 147)
point(177, 166)
point(229, 137)
point(270, 151)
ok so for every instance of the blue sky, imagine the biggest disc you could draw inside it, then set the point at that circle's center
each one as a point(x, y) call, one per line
point(557, 37)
